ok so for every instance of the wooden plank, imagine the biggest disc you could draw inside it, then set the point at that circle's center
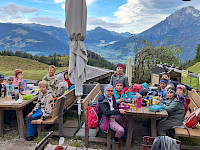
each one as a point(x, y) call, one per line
point(90, 96)
point(95, 98)
point(190, 147)
point(181, 132)
point(44, 139)
point(47, 121)
point(194, 133)
point(109, 139)
point(192, 105)
point(97, 139)
point(196, 98)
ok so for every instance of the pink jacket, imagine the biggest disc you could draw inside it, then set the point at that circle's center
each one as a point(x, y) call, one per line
point(16, 82)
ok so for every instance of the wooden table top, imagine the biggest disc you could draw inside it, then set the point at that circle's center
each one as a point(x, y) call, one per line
point(145, 112)
point(8, 102)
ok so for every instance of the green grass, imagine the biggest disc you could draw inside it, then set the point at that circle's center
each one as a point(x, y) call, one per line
point(31, 69)
point(194, 81)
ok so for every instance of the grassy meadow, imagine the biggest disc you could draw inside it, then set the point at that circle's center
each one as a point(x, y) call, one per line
point(194, 81)
point(32, 69)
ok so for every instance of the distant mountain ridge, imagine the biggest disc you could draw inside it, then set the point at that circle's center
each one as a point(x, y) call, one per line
point(180, 28)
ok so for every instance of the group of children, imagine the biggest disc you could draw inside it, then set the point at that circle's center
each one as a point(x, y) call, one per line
point(173, 100)
point(51, 86)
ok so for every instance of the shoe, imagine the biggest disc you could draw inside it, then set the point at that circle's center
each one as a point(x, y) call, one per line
point(6, 127)
point(30, 138)
point(115, 145)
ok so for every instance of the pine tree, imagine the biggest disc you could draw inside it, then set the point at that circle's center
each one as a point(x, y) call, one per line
point(197, 57)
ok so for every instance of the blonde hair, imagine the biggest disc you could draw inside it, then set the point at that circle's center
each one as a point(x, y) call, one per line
point(45, 83)
point(52, 66)
point(183, 88)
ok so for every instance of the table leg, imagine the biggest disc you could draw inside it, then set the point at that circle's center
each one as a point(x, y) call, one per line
point(1, 121)
point(20, 121)
point(130, 132)
point(153, 127)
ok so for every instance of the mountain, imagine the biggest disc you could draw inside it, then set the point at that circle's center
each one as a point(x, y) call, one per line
point(180, 28)
point(17, 37)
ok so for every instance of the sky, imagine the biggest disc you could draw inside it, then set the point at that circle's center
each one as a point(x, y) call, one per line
point(132, 16)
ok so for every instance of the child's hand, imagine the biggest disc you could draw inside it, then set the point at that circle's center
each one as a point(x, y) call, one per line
point(30, 114)
point(122, 99)
point(193, 90)
point(39, 121)
point(122, 111)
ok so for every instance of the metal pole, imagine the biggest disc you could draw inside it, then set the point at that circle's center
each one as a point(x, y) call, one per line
point(190, 81)
point(79, 111)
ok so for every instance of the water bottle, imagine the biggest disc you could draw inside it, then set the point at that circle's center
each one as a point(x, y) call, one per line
point(16, 93)
point(139, 100)
point(25, 84)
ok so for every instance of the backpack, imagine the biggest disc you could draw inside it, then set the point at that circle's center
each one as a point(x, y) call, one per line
point(192, 120)
point(92, 118)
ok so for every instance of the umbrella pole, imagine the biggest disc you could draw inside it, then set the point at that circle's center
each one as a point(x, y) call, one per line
point(79, 111)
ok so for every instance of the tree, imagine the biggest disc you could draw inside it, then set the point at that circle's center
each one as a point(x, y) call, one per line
point(149, 56)
point(197, 57)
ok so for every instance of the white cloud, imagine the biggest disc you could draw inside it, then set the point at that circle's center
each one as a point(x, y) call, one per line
point(63, 6)
point(88, 2)
point(94, 22)
point(59, 1)
point(140, 15)
point(20, 14)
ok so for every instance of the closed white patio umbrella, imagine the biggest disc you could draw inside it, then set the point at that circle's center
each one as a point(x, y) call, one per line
point(129, 71)
point(75, 23)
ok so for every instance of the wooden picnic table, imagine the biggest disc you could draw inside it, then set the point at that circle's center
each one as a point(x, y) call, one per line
point(7, 103)
point(143, 112)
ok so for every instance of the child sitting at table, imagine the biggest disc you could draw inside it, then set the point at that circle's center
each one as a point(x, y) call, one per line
point(181, 96)
point(10, 86)
point(108, 115)
point(162, 90)
point(175, 109)
point(119, 75)
point(119, 92)
point(52, 79)
point(1, 82)
point(70, 85)
point(62, 85)
point(42, 110)
point(18, 78)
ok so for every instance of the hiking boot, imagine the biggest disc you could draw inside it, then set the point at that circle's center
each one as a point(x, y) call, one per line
point(115, 145)
point(6, 127)
point(30, 138)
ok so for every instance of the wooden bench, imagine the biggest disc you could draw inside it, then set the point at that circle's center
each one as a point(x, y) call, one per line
point(65, 102)
point(195, 132)
point(148, 141)
point(92, 97)
point(43, 143)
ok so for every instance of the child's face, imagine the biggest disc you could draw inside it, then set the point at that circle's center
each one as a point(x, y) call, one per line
point(1, 81)
point(119, 86)
point(163, 85)
point(165, 77)
point(66, 76)
point(10, 81)
point(180, 91)
point(19, 76)
point(119, 70)
point(51, 72)
point(109, 92)
point(170, 95)
point(43, 88)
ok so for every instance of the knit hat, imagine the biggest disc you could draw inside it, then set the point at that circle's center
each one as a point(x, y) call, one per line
point(120, 65)
point(10, 77)
point(183, 88)
point(171, 91)
point(118, 81)
point(1, 77)
point(17, 71)
point(164, 80)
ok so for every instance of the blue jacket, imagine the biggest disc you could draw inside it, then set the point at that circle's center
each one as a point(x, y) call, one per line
point(117, 96)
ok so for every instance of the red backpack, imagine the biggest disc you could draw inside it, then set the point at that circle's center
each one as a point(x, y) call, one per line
point(192, 120)
point(92, 118)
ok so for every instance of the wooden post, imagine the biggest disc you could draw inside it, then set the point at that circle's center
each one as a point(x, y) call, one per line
point(39, 129)
point(86, 135)
point(109, 139)
point(60, 115)
point(20, 122)
point(130, 132)
point(153, 127)
point(1, 121)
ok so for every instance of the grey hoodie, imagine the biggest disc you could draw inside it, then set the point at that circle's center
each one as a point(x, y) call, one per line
point(62, 85)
